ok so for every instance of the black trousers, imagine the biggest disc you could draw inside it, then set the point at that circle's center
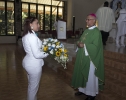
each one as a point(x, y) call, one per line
point(105, 36)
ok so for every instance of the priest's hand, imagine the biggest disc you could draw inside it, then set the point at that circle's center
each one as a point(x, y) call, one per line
point(80, 45)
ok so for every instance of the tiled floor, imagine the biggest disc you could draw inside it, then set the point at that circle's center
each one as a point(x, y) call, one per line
point(13, 80)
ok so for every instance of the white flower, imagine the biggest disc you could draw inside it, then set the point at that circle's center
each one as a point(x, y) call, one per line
point(55, 40)
point(52, 40)
point(57, 46)
point(44, 42)
point(61, 57)
point(51, 52)
point(53, 45)
point(49, 44)
point(65, 57)
point(67, 60)
point(55, 58)
point(61, 45)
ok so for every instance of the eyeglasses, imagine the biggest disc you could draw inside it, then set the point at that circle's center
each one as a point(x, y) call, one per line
point(89, 19)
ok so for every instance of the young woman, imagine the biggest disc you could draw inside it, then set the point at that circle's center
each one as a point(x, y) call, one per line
point(33, 60)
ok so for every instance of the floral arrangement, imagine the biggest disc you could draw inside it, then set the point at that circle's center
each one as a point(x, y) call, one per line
point(56, 49)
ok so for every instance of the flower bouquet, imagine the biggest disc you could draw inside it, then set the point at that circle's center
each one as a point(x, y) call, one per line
point(56, 49)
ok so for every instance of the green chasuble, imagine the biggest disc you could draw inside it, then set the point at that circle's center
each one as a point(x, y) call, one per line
point(93, 42)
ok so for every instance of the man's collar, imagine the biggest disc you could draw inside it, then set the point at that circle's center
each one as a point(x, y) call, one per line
point(91, 27)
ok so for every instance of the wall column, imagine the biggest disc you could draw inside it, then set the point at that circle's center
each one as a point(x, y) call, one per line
point(18, 17)
point(69, 14)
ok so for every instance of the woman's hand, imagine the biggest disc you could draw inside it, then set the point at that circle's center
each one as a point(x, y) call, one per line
point(45, 54)
point(80, 45)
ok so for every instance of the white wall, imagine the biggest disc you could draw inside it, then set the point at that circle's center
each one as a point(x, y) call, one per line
point(80, 9)
point(7, 39)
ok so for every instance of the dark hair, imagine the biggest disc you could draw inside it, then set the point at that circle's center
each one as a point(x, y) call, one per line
point(106, 4)
point(120, 5)
point(27, 23)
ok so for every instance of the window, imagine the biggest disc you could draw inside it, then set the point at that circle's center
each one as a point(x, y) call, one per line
point(54, 16)
point(47, 17)
point(40, 15)
point(24, 12)
point(44, 11)
point(2, 19)
point(60, 13)
point(6, 18)
point(10, 18)
point(46, 2)
point(33, 10)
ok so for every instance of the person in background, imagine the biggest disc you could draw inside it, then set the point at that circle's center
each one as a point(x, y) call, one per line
point(119, 7)
point(33, 60)
point(88, 74)
point(121, 28)
point(105, 17)
point(56, 25)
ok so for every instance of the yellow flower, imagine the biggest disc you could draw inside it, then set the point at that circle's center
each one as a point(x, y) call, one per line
point(57, 43)
point(65, 55)
point(65, 50)
point(60, 50)
point(45, 48)
point(58, 53)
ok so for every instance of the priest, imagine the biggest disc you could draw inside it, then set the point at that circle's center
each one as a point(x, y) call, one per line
point(88, 74)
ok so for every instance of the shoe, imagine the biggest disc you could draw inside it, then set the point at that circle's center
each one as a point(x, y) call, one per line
point(78, 93)
point(90, 98)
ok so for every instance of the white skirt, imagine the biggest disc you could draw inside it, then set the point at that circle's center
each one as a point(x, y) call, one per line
point(92, 84)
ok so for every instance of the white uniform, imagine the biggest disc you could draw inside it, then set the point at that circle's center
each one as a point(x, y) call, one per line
point(105, 17)
point(121, 24)
point(33, 63)
point(117, 13)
